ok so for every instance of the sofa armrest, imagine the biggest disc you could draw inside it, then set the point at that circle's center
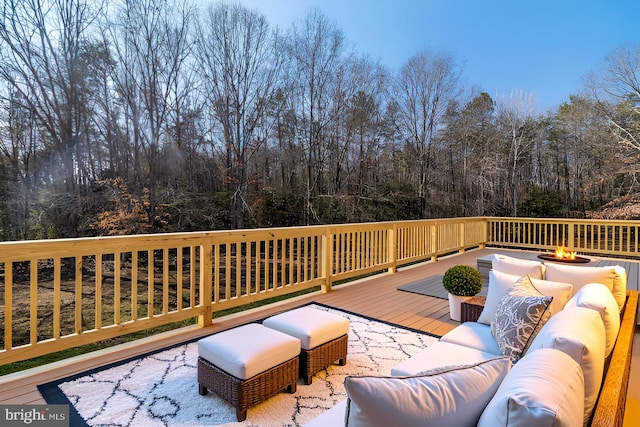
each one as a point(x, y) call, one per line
point(609, 410)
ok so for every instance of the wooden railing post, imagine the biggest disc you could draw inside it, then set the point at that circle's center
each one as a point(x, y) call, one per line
point(461, 236)
point(206, 285)
point(8, 306)
point(326, 262)
point(393, 249)
point(485, 232)
point(434, 241)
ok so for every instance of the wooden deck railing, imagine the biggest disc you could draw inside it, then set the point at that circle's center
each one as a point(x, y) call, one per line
point(55, 294)
point(619, 238)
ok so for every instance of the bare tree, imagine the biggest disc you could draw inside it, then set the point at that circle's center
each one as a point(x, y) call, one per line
point(44, 46)
point(240, 70)
point(515, 117)
point(20, 146)
point(470, 140)
point(616, 90)
point(425, 86)
point(316, 49)
point(151, 47)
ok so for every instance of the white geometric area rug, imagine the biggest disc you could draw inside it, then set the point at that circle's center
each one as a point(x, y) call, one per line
point(161, 389)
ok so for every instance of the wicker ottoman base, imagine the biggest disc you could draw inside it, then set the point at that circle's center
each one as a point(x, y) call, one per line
point(243, 394)
point(312, 361)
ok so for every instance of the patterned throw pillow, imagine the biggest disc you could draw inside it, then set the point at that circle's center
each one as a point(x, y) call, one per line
point(519, 316)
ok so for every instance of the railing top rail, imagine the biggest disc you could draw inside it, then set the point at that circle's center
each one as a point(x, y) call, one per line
point(168, 239)
point(565, 220)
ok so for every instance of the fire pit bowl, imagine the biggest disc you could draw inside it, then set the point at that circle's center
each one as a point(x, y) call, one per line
point(553, 257)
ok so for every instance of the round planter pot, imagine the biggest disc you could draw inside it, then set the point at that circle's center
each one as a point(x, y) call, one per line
point(454, 306)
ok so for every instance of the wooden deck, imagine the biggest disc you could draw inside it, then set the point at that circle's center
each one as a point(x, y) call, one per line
point(375, 297)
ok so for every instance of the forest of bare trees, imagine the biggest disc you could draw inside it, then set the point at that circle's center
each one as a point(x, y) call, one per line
point(127, 117)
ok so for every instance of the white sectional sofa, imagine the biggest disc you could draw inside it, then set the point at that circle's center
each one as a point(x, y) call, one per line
point(537, 355)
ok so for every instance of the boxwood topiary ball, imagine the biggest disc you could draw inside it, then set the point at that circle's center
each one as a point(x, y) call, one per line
point(462, 280)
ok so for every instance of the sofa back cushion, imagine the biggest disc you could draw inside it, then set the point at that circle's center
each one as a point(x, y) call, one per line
point(597, 297)
point(454, 396)
point(619, 290)
point(579, 332)
point(614, 277)
point(518, 267)
point(499, 282)
point(545, 388)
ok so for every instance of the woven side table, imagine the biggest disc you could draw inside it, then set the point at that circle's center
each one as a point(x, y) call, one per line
point(470, 309)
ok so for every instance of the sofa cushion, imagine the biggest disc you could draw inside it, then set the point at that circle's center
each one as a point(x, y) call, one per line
point(499, 282)
point(597, 297)
point(614, 277)
point(545, 388)
point(437, 355)
point(619, 290)
point(474, 335)
point(455, 396)
point(518, 267)
point(331, 417)
point(519, 316)
point(579, 332)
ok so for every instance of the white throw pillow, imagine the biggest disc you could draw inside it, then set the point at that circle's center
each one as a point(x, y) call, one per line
point(597, 297)
point(455, 396)
point(560, 291)
point(499, 283)
point(519, 316)
point(579, 332)
point(545, 388)
point(517, 266)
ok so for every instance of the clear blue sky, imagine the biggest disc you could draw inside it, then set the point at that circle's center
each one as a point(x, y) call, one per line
point(539, 46)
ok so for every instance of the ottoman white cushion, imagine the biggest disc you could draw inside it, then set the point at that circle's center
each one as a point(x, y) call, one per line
point(248, 350)
point(311, 326)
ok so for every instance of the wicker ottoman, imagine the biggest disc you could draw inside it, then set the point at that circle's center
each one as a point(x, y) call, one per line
point(323, 337)
point(247, 365)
